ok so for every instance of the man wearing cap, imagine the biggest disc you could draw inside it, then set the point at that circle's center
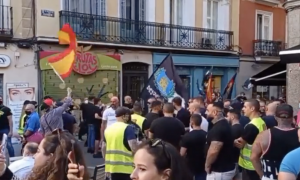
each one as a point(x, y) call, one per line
point(52, 119)
point(118, 146)
point(272, 145)
point(233, 116)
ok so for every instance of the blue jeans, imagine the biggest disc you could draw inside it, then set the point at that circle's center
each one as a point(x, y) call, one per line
point(200, 176)
point(91, 136)
point(9, 146)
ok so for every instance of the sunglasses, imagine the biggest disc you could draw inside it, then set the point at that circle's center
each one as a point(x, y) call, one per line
point(158, 142)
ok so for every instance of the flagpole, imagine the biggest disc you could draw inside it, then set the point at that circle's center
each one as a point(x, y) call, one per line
point(269, 76)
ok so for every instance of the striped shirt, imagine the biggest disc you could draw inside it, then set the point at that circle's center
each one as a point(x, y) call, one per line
point(53, 119)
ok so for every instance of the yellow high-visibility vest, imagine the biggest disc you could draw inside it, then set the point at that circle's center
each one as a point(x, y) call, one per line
point(21, 125)
point(138, 119)
point(244, 159)
point(118, 159)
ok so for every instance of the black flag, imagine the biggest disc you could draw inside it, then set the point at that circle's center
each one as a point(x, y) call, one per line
point(228, 89)
point(165, 83)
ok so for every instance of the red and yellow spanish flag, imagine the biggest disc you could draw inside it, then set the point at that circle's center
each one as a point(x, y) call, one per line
point(209, 90)
point(62, 64)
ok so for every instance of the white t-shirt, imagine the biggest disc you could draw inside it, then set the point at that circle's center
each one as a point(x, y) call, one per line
point(204, 125)
point(109, 115)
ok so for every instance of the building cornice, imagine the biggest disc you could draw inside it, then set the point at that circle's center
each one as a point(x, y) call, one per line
point(291, 4)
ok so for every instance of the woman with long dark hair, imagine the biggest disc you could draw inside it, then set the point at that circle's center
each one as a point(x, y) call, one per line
point(55, 152)
point(158, 160)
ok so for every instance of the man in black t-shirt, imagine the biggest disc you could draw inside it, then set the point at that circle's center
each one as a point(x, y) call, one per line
point(193, 146)
point(6, 126)
point(219, 163)
point(167, 128)
point(153, 115)
point(182, 114)
point(233, 116)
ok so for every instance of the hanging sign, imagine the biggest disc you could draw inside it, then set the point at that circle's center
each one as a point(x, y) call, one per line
point(86, 63)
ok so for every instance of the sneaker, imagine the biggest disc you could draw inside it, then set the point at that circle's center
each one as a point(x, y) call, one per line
point(90, 150)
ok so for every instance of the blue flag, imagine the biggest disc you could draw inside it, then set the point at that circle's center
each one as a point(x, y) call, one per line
point(165, 83)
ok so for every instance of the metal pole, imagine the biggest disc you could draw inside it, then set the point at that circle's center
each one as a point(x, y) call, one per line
point(272, 75)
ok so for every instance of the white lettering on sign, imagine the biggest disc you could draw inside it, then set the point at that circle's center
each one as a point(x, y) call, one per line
point(152, 92)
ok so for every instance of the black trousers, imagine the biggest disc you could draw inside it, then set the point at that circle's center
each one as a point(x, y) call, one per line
point(120, 176)
point(249, 175)
point(83, 129)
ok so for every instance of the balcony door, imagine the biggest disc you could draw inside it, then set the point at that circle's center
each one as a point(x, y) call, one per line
point(5, 14)
point(133, 25)
point(264, 34)
point(86, 17)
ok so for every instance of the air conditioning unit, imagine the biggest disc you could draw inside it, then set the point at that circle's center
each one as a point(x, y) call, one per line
point(206, 43)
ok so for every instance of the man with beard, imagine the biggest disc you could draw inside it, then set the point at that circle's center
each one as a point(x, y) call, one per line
point(219, 163)
point(109, 115)
point(233, 116)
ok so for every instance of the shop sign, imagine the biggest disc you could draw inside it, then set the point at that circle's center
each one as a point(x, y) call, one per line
point(4, 61)
point(85, 63)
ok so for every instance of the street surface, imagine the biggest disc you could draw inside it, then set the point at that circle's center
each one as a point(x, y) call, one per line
point(90, 161)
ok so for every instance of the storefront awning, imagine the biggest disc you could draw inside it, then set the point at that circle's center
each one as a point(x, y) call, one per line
point(291, 55)
point(274, 75)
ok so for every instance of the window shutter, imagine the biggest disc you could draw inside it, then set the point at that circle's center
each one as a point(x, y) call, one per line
point(142, 9)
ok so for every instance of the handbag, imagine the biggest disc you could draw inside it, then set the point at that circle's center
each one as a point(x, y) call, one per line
point(35, 137)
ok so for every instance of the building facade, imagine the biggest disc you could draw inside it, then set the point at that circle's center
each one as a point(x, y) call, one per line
point(262, 27)
point(142, 31)
point(18, 63)
point(293, 72)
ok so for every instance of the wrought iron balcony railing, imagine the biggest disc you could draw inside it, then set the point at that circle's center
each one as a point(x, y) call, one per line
point(6, 23)
point(90, 27)
point(267, 47)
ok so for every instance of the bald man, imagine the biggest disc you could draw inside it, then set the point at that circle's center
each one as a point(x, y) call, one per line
point(32, 124)
point(270, 118)
point(195, 108)
point(128, 102)
point(23, 167)
point(167, 128)
point(109, 115)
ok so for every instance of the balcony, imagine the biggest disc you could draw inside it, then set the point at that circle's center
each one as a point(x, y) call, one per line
point(6, 17)
point(267, 48)
point(97, 28)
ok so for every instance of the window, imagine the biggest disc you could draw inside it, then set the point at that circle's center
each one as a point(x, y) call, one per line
point(212, 14)
point(264, 25)
point(128, 11)
point(177, 12)
point(97, 7)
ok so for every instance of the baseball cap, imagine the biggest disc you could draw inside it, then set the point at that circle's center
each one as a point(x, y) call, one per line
point(48, 101)
point(284, 111)
point(121, 111)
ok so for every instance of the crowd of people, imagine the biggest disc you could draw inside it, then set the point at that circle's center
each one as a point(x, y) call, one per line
point(236, 139)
